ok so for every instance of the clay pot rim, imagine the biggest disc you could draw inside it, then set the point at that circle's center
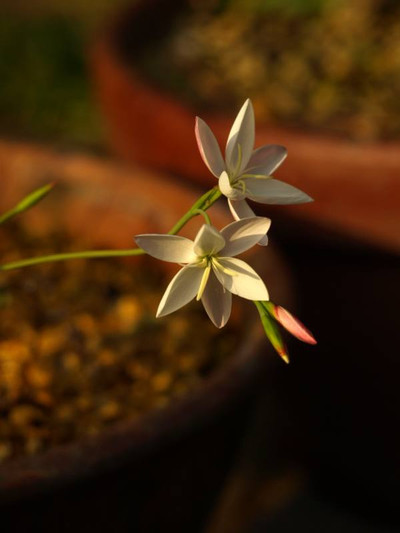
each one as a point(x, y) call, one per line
point(108, 41)
point(354, 183)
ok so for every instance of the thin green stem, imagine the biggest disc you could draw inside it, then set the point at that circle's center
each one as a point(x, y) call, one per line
point(203, 203)
point(203, 214)
point(199, 207)
point(90, 254)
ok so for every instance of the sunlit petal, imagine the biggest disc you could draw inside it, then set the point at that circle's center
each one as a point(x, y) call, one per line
point(181, 290)
point(264, 241)
point(266, 159)
point(172, 248)
point(224, 185)
point(209, 148)
point(240, 209)
point(208, 241)
point(272, 191)
point(241, 140)
point(245, 283)
point(243, 234)
point(217, 302)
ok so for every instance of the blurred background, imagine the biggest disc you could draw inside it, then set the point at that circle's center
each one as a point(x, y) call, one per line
point(96, 77)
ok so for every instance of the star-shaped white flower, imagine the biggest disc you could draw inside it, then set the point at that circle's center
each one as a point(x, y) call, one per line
point(246, 173)
point(210, 272)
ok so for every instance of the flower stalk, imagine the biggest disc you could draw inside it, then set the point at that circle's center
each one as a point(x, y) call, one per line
point(210, 271)
point(198, 208)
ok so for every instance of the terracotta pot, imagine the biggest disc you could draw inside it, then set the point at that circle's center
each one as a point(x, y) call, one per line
point(356, 186)
point(166, 467)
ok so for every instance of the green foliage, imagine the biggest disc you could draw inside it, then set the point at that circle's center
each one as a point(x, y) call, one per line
point(27, 202)
point(44, 91)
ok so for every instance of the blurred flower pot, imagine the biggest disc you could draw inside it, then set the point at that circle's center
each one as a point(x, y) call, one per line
point(164, 469)
point(355, 186)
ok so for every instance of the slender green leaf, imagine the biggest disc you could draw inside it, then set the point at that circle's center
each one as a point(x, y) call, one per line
point(26, 203)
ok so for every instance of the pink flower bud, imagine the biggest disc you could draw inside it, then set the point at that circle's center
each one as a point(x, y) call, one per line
point(293, 325)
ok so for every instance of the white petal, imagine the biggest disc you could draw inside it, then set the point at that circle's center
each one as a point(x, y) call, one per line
point(229, 191)
point(241, 140)
point(217, 302)
point(224, 184)
point(243, 234)
point(172, 248)
point(209, 148)
point(266, 159)
point(208, 241)
point(181, 290)
point(272, 191)
point(245, 283)
point(240, 209)
point(264, 241)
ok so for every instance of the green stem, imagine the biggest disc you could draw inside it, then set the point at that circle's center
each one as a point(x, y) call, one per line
point(203, 214)
point(203, 203)
point(90, 254)
point(199, 207)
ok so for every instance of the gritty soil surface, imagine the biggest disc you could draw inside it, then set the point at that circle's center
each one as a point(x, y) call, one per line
point(80, 348)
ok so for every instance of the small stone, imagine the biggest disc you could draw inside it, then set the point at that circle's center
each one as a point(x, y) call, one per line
point(128, 311)
point(44, 398)
point(38, 377)
point(161, 382)
point(51, 339)
point(33, 445)
point(5, 450)
point(86, 323)
point(109, 410)
point(138, 370)
point(71, 362)
point(65, 413)
point(187, 362)
point(107, 358)
point(24, 415)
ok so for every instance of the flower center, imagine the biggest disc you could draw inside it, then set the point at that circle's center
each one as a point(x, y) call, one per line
point(238, 188)
point(209, 261)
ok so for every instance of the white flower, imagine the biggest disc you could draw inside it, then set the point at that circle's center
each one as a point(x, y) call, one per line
point(246, 173)
point(210, 272)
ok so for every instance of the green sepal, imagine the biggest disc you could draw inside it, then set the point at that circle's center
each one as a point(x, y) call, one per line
point(272, 330)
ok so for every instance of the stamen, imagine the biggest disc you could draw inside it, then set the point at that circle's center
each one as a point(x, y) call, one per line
point(242, 185)
point(203, 282)
point(239, 161)
point(222, 268)
point(255, 176)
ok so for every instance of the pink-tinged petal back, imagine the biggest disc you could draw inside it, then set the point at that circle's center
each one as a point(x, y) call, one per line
point(209, 148)
point(240, 142)
point(266, 159)
point(272, 191)
point(293, 325)
point(240, 209)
